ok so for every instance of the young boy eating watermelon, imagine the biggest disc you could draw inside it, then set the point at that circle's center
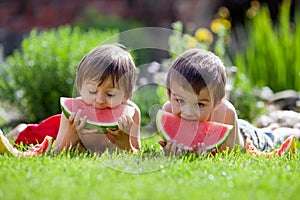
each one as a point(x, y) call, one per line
point(105, 79)
point(196, 89)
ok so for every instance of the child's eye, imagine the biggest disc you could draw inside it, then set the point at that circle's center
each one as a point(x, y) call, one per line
point(180, 101)
point(200, 105)
point(110, 94)
point(92, 92)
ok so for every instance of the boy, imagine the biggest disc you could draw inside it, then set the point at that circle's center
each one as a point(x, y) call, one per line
point(196, 90)
point(105, 79)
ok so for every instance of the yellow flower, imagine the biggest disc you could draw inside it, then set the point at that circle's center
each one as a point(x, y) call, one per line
point(217, 24)
point(223, 12)
point(255, 4)
point(204, 35)
point(192, 42)
point(253, 10)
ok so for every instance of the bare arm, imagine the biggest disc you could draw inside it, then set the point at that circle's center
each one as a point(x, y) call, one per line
point(135, 129)
point(67, 136)
point(226, 113)
point(127, 137)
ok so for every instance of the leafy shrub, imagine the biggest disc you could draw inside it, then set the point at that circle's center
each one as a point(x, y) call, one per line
point(150, 94)
point(271, 56)
point(245, 99)
point(43, 70)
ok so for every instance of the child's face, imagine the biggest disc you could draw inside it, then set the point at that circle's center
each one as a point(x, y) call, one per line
point(188, 105)
point(102, 96)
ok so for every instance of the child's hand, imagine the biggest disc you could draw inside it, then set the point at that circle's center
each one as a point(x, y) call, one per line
point(200, 149)
point(172, 147)
point(121, 137)
point(74, 120)
point(125, 123)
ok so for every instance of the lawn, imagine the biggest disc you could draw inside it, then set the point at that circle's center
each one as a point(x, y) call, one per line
point(149, 175)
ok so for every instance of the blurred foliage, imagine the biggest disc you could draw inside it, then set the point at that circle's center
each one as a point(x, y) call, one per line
point(91, 18)
point(148, 101)
point(43, 69)
point(245, 99)
point(215, 40)
point(271, 55)
point(150, 94)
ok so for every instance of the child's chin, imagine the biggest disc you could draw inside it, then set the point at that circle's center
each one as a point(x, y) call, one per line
point(101, 107)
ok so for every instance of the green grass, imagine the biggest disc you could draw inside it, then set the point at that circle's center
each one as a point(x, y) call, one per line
point(149, 175)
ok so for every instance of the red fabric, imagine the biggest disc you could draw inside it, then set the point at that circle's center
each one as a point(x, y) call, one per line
point(35, 133)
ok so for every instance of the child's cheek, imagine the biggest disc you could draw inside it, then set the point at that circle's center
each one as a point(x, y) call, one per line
point(175, 110)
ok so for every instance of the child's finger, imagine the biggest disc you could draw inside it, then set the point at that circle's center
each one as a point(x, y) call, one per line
point(201, 148)
point(122, 122)
point(179, 150)
point(82, 123)
point(79, 125)
point(111, 138)
point(167, 147)
point(125, 123)
point(174, 147)
point(71, 118)
point(77, 117)
point(109, 131)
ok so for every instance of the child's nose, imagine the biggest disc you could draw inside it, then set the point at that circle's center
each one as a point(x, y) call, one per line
point(100, 98)
point(188, 110)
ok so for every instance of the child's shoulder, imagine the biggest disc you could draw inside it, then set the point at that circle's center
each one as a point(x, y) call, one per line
point(224, 113)
point(167, 106)
point(131, 103)
point(227, 105)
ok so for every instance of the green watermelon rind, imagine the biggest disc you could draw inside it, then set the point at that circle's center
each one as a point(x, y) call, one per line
point(165, 136)
point(101, 127)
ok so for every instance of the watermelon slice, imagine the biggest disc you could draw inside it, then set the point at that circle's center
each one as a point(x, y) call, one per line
point(288, 146)
point(190, 133)
point(7, 148)
point(96, 118)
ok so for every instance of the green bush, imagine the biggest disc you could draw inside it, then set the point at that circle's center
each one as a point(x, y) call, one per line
point(43, 69)
point(149, 102)
point(271, 56)
point(245, 99)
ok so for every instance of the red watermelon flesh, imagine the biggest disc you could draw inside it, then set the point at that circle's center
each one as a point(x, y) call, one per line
point(288, 146)
point(96, 118)
point(190, 133)
point(7, 148)
point(38, 149)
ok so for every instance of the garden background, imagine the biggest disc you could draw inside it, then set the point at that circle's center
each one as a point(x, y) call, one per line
point(259, 48)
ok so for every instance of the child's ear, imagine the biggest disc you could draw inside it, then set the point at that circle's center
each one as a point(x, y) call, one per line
point(79, 91)
point(217, 104)
point(125, 98)
point(169, 94)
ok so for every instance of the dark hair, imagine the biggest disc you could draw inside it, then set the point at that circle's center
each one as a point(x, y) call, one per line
point(108, 61)
point(200, 69)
